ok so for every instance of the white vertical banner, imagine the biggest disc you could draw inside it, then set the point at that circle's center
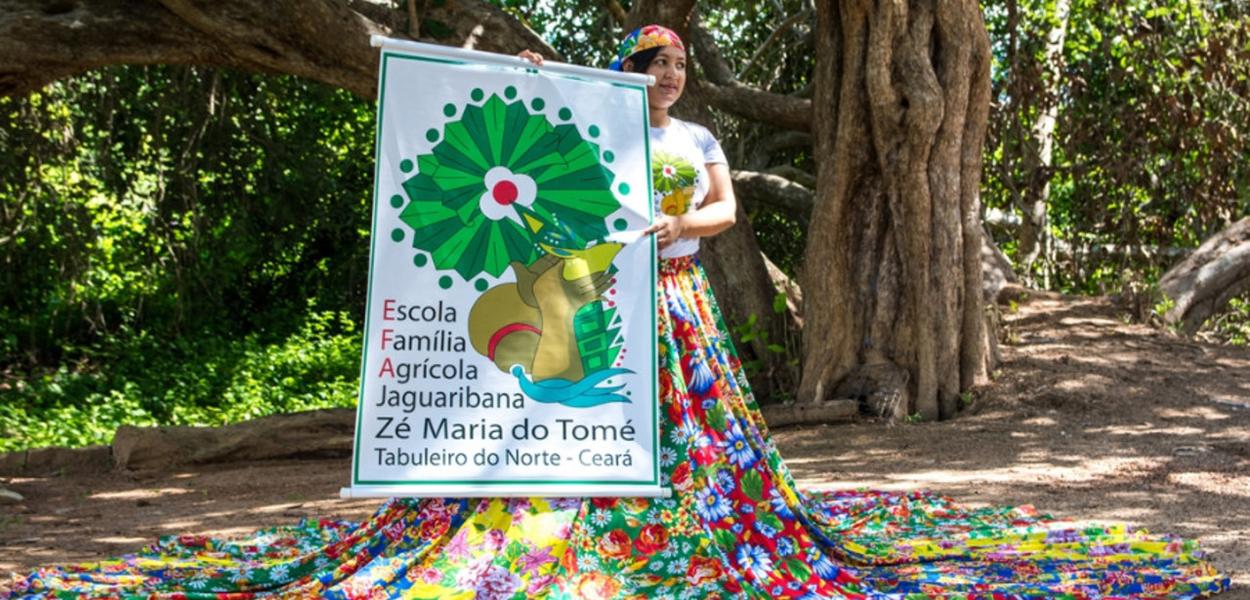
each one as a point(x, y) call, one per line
point(510, 326)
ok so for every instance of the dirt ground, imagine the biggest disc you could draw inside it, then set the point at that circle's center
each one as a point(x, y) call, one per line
point(1088, 418)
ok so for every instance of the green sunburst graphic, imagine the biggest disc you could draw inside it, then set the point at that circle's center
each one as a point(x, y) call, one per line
point(670, 172)
point(493, 160)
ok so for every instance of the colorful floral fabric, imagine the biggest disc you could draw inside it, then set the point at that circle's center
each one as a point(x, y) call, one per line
point(644, 38)
point(735, 527)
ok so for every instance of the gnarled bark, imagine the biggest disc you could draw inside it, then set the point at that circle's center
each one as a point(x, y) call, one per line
point(892, 274)
point(1202, 284)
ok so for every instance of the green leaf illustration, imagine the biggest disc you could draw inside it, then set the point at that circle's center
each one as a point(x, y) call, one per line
point(494, 155)
point(670, 172)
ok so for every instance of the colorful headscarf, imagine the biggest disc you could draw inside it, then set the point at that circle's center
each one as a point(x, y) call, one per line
point(644, 38)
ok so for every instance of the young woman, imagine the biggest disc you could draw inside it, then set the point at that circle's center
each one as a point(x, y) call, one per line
point(737, 526)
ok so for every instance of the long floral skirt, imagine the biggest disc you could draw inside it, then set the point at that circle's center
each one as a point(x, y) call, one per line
point(735, 527)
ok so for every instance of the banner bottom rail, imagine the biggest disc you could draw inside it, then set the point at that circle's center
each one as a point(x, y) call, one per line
point(504, 492)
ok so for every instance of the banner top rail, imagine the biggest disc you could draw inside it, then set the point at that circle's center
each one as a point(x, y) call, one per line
point(381, 41)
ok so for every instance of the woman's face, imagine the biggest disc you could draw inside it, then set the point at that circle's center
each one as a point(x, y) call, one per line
point(669, 69)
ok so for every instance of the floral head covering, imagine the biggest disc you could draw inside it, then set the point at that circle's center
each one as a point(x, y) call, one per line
point(644, 38)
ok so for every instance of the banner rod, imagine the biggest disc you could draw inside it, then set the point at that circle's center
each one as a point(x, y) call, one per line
point(399, 491)
point(551, 66)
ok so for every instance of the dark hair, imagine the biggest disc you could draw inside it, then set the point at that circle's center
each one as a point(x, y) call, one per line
point(642, 60)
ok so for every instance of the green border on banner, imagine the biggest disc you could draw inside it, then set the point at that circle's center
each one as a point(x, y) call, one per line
point(364, 360)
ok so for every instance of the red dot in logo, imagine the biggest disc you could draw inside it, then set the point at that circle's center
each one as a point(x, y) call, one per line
point(505, 192)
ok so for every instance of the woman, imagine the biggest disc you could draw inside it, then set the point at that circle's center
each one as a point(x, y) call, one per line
point(694, 193)
point(737, 525)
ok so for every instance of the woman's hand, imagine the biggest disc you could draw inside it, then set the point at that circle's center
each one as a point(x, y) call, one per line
point(532, 56)
point(667, 229)
point(716, 214)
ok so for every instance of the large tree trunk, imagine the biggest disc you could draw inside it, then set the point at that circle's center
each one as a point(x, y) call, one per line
point(1202, 284)
point(892, 270)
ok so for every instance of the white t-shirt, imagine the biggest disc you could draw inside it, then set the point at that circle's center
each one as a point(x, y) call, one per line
point(680, 154)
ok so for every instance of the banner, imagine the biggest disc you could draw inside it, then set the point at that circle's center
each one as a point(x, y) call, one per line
point(510, 328)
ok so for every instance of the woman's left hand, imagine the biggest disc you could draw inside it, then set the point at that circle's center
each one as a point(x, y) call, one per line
point(667, 229)
point(531, 56)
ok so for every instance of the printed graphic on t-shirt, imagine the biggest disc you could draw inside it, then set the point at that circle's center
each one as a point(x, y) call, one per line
point(674, 180)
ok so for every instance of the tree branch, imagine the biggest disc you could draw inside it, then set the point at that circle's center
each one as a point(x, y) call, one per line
point(786, 140)
point(322, 40)
point(674, 14)
point(617, 11)
point(726, 93)
point(794, 174)
point(1204, 283)
point(40, 43)
point(772, 37)
point(776, 192)
point(414, 20)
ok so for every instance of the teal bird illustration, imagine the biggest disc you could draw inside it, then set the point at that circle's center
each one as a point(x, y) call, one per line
point(557, 239)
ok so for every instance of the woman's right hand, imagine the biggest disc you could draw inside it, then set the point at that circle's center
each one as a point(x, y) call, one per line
point(532, 56)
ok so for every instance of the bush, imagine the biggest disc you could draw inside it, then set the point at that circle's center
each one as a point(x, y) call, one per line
point(206, 380)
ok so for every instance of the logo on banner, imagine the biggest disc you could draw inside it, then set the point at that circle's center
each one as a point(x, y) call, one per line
point(505, 188)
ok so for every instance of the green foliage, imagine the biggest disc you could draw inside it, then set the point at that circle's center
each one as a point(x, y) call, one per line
point(178, 245)
point(1153, 103)
point(161, 201)
point(582, 31)
point(192, 380)
point(1232, 326)
point(753, 331)
point(1163, 306)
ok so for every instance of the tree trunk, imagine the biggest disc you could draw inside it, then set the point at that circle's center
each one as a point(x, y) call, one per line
point(1201, 285)
point(745, 288)
point(1039, 152)
point(312, 434)
point(893, 263)
point(996, 269)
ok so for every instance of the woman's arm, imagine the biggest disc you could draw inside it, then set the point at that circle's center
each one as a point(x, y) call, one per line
point(717, 213)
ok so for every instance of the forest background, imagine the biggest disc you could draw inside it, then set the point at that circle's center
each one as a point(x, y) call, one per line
point(188, 245)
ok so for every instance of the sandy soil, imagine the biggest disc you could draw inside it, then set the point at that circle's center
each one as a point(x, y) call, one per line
point(1089, 418)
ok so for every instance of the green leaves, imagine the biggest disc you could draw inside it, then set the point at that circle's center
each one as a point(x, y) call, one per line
point(174, 200)
point(753, 485)
point(717, 417)
point(206, 380)
point(1150, 132)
